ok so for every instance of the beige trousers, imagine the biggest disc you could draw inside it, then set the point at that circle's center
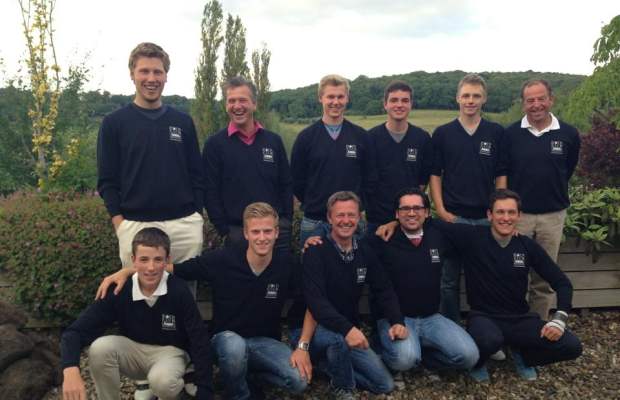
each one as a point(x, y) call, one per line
point(111, 356)
point(546, 230)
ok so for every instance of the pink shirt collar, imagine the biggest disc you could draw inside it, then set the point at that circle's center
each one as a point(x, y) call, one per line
point(232, 129)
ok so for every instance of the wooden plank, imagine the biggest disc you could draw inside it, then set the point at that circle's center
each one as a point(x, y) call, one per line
point(582, 262)
point(595, 279)
point(570, 246)
point(596, 298)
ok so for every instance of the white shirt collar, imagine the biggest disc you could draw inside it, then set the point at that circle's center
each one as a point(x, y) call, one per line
point(418, 235)
point(162, 288)
point(555, 124)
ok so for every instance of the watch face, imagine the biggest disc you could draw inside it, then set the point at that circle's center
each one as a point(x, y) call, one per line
point(303, 346)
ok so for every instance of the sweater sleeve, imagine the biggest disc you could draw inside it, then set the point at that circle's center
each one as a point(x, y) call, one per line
point(573, 155)
point(299, 165)
point(369, 169)
point(285, 181)
point(108, 167)
point(202, 267)
point(551, 272)
point(381, 288)
point(438, 161)
point(213, 175)
point(195, 167)
point(88, 327)
point(501, 167)
point(315, 293)
point(427, 159)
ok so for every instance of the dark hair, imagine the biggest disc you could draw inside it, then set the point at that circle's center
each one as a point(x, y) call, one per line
point(149, 50)
point(503, 194)
point(151, 237)
point(412, 191)
point(539, 81)
point(238, 81)
point(397, 85)
point(344, 195)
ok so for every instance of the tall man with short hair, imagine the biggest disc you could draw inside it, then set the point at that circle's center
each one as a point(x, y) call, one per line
point(465, 168)
point(402, 154)
point(329, 156)
point(540, 154)
point(245, 163)
point(148, 161)
point(160, 327)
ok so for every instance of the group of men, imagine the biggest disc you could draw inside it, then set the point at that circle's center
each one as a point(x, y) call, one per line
point(155, 184)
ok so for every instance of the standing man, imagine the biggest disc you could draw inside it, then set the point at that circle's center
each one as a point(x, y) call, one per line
point(465, 168)
point(148, 160)
point(329, 156)
point(540, 154)
point(245, 163)
point(402, 154)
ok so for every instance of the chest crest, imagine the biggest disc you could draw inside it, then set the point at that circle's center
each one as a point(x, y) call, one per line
point(268, 154)
point(351, 151)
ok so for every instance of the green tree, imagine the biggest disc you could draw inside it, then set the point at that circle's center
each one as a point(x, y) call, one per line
point(234, 50)
point(204, 109)
point(260, 76)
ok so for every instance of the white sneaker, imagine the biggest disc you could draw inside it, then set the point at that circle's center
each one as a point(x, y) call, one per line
point(143, 391)
point(499, 355)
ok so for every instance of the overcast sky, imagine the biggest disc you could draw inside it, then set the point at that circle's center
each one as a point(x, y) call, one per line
point(311, 38)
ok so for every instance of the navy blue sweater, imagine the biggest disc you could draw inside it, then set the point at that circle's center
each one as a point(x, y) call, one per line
point(182, 326)
point(539, 168)
point(415, 272)
point(149, 169)
point(468, 166)
point(332, 288)
point(398, 165)
point(244, 303)
point(238, 174)
point(321, 166)
point(496, 277)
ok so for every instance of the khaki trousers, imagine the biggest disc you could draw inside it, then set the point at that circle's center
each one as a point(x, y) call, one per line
point(546, 230)
point(111, 356)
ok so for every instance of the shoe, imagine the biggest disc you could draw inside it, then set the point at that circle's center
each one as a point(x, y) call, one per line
point(525, 372)
point(480, 374)
point(399, 381)
point(143, 391)
point(499, 355)
point(341, 394)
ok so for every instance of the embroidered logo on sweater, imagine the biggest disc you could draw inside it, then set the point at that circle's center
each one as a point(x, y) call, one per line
point(435, 256)
point(168, 322)
point(272, 291)
point(412, 154)
point(557, 147)
point(518, 260)
point(267, 154)
point(175, 134)
point(361, 274)
point(485, 148)
point(351, 151)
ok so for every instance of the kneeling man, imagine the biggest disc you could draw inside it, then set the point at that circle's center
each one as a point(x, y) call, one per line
point(159, 329)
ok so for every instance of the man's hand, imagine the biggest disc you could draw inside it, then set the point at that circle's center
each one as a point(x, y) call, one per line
point(311, 241)
point(117, 220)
point(356, 339)
point(300, 359)
point(386, 231)
point(73, 385)
point(551, 332)
point(398, 331)
point(446, 215)
point(119, 277)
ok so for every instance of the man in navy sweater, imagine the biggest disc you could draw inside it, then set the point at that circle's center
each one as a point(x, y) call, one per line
point(402, 154)
point(465, 167)
point(497, 264)
point(329, 156)
point(412, 259)
point(160, 328)
point(249, 289)
point(245, 163)
point(335, 272)
point(148, 161)
point(540, 154)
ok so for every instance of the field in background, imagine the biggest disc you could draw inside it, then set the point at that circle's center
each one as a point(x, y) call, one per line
point(425, 119)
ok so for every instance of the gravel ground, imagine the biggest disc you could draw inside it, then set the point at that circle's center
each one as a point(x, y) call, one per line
point(595, 375)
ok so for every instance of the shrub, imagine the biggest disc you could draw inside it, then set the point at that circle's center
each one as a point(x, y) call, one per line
point(599, 161)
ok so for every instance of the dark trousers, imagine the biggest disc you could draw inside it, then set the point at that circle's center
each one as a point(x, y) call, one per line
point(522, 332)
point(235, 236)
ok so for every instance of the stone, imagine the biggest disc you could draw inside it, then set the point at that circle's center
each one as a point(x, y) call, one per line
point(26, 379)
point(14, 345)
point(9, 314)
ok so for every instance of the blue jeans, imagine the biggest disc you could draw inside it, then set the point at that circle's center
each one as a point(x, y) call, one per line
point(347, 367)
point(435, 341)
point(450, 305)
point(265, 358)
point(316, 227)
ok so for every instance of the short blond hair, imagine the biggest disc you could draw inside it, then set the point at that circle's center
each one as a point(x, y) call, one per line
point(333, 80)
point(259, 210)
point(149, 50)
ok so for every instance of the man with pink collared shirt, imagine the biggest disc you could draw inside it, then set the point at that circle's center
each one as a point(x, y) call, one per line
point(245, 163)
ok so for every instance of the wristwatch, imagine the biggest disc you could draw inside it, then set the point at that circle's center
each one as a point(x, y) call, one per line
point(305, 346)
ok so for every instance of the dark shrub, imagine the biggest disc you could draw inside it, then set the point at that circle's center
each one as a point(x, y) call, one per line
point(599, 161)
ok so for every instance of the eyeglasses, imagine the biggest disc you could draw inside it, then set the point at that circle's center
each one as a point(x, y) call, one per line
point(408, 209)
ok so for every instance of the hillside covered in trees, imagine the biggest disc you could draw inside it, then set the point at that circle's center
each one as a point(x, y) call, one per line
point(432, 90)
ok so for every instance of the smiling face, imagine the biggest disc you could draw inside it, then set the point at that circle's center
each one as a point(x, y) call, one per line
point(261, 234)
point(149, 263)
point(149, 77)
point(343, 217)
point(334, 100)
point(470, 99)
point(504, 217)
point(537, 104)
point(240, 107)
point(411, 213)
point(398, 105)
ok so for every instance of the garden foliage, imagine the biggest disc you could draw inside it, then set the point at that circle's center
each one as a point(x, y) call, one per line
point(599, 159)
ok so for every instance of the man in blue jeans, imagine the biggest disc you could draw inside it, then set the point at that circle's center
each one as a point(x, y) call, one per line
point(249, 290)
point(465, 168)
point(412, 260)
